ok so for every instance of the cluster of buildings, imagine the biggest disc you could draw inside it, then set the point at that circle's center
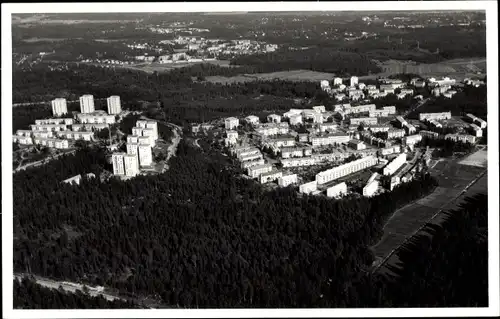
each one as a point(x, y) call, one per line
point(57, 132)
point(139, 153)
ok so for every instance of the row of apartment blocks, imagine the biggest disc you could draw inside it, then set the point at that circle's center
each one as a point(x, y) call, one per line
point(47, 141)
point(60, 105)
point(139, 149)
point(476, 120)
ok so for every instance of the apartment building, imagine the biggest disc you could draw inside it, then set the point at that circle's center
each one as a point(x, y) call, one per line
point(246, 164)
point(308, 188)
point(282, 142)
point(370, 189)
point(252, 119)
point(348, 109)
point(133, 139)
point(270, 129)
point(231, 123)
point(476, 130)
point(345, 169)
point(357, 145)
point(273, 118)
point(65, 121)
point(303, 137)
point(464, 138)
point(89, 127)
point(118, 163)
point(337, 190)
point(23, 140)
point(390, 150)
point(434, 116)
point(327, 127)
point(114, 104)
point(26, 133)
point(287, 152)
point(364, 120)
point(337, 81)
point(435, 123)
point(48, 127)
point(476, 120)
point(354, 80)
point(379, 128)
point(319, 108)
point(131, 164)
point(429, 134)
point(298, 161)
point(271, 176)
point(233, 135)
point(51, 142)
point(329, 139)
point(96, 118)
point(145, 155)
point(287, 179)
point(394, 165)
point(255, 171)
point(295, 119)
point(43, 134)
point(246, 151)
point(133, 148)
point(59, 107)
point(87, 104)
point(395, 133)
point(412, 139)
point(409, 129)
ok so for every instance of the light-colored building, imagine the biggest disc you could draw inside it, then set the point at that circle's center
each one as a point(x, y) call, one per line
point(252, 119)
point(434, 116)
point(357, 145)
point(43, 134)
point(96, 118)
point(23, 140)
point(308, 188)
point(87, 104)
point(303, 137)
point(298, 161)
point(370, 189)
point(282, 142)
point(131, 164)
point(114, 104)
point(245, 165)
point(89, 127)
point(287, 180)
point(145, 155)
point(48, 127)
point(330, 139)
point(324, 84)
point(274, 118)
point(231, 123)
point(270, 176)
point(319, 108)
point(379, 128)
point(345, 169)
point(476, 120)
point(337, 190)
point(365, 108)
point(149, 133)
point(412, 139)
point(435, 123)
point(337, 81)
point(295, 119)
point(59, 107)
point(395, 164)
point(133, 148)
point(233, 135)
point(24, 133)
point(154, 126)
point(288, 152)
point(401, 121)
point(255, 171)
point(118, 163)
point(390, 150)
point(76, 179)
point(354, 80)
point(144, 140)
point(133, 139)
point(476, 130)
point(429, 134)
point(395, 133)
point(464, 138)
point(65, 121)
point(327, 127)
point(364, 120)
point(409, 129)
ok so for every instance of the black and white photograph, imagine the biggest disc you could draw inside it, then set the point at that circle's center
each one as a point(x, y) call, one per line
point(266, 159)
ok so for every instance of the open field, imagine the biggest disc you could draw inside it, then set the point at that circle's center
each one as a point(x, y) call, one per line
point(158, 67)
point(453, 179)
point(479, 158)
point(229, 80)
point(295, 75)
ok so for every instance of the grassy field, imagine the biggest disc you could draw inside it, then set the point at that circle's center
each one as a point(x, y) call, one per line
point(229, 80)
point(479, 158)
point(295, 75)
point(161, 67)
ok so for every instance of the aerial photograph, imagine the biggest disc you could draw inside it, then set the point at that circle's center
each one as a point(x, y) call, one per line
point(205, 160)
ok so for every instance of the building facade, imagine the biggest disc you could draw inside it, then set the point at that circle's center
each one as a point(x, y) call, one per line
point(114, 104)
point(59, 107)
point(87, 104)
point(345, 169)
point(337, 190)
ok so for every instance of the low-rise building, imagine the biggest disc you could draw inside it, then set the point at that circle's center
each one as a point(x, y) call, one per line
point(434, 116)
point(295, 119)
point(327, 127)
point(412, 139)
point(319, 108)
point(370, 189)
point(255, 171)
point(429, 134)
point(96, 118)
point(246, 164)
point(23, 140)
point(476, 130)
point(464, 138)
point(364, 120)
point(250, 157)
point(409, 129)
point(274, 118)
point(287, 152)
point(379, 128)
point(395, 133)
point(345, 169)
point(252, 119)
point(231, 123)
point(282, 142)
point(357, 145)
point(303, 137)
point(401, 121)
point(271, 176)
point(26, 133)
point(298, 161)
point(329, 139)
point(395, 164)
point(287, 179)
point(337, 190)
point(308, 188)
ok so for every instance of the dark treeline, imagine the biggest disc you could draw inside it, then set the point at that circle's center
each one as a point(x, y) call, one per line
point(29, 295)
point(198, 236)
point(316, 59)
point(469, 100)
point(446, 148)
point(444, 265)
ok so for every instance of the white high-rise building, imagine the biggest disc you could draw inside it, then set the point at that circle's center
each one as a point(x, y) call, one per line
point(114, 104)
point(87, 103)
point(137, 130)
point(132, 148)
point(150, 133)
point(337, 81)
point(141, 123)
point(131, 164)
point(354, 80)
point(118, 164)
point(145, 155)
point(59, 106)
point(231, 123)
point(154, 126)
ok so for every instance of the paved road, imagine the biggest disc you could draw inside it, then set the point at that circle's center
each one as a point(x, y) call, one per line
point(456, 182)
point(41, 162)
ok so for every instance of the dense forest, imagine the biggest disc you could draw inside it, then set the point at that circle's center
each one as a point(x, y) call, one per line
point(29, 295)
point(196, 235)
point(444, 265)
point(316, 59)
point(446, 148)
